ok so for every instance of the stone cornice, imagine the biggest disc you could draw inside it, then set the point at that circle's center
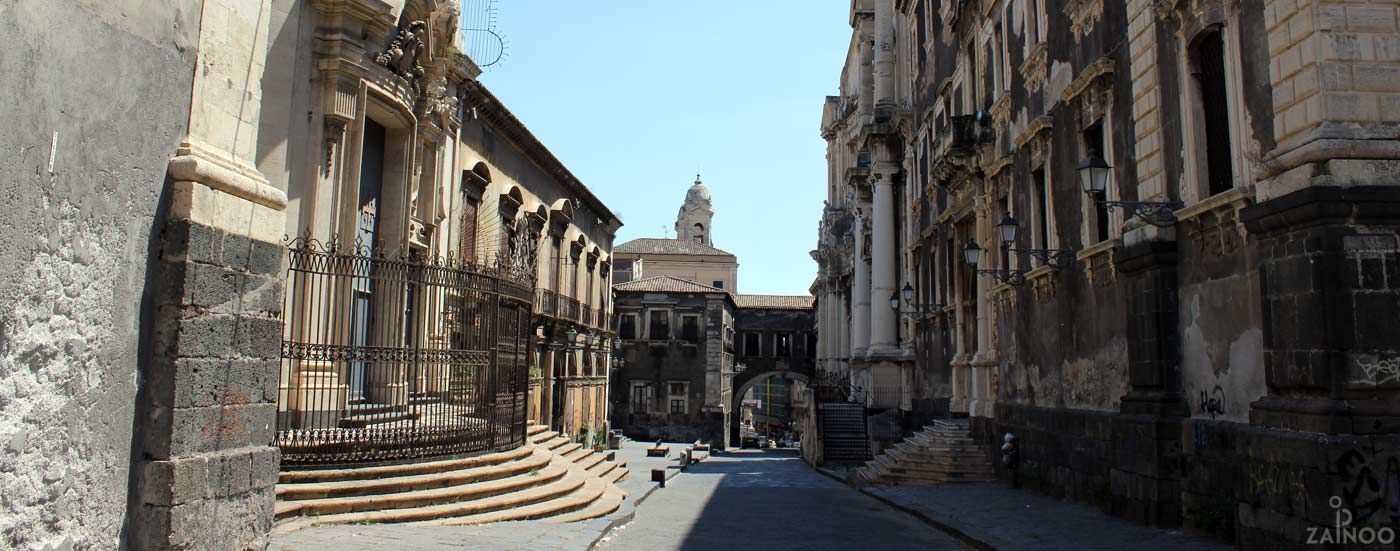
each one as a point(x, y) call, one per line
point(1041, 124)
point(1101, 68)
point(196, 162)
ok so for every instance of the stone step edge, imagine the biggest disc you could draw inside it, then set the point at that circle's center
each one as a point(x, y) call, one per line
point(420, 498)
point(587, 493)
point(570, 483)
point(538, 459)
point(406, 469)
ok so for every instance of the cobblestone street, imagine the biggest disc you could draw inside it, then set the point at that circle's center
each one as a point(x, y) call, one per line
point(768, 500)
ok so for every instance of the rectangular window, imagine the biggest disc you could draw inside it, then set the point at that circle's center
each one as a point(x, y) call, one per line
point(717, 284)
point(556, 258)
point(627, 326)
point(675, 389)
point(997, 77)
point(690, 328)
point(811, 345)
point(1210, 60)
point(641, 397)
point(1042, 209)
point(677, 406)
point(782, 345)
point(659, 325)
point(751, 346)
point(466, 243)
point(1094, 144)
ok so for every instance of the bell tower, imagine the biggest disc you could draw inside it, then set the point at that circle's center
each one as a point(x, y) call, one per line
point(693, 220)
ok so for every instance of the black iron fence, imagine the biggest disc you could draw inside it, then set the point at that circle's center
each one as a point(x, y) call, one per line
point(390, 357)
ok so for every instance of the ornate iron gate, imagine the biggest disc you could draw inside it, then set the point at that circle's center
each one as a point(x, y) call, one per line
point(391, 357)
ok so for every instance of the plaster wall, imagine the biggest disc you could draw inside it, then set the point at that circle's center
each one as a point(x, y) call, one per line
point(86, 151)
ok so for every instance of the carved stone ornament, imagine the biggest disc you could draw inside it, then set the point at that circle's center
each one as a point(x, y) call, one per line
point(1082, 16)
point(436, 102)
point(405, 53)
point(1036, 67)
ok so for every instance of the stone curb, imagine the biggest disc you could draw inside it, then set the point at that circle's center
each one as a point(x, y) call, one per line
point(620, 518)
point(930, 521)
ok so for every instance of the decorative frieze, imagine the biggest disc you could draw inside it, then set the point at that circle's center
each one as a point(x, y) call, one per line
point(1082, 16)
point(1042, 282)
point(1036, 67)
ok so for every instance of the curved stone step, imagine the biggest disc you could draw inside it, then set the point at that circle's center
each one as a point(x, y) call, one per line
point(436, 496)
point(331, 475)
point(538, 459)
point(616, 475)
point(606, 504)
point(506, 504)
point(586, 493)
point(542, 437)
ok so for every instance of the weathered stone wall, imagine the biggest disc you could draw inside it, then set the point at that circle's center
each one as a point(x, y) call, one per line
point(86, 146)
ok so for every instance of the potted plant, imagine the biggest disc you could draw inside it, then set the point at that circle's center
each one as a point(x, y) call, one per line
point(600, 441)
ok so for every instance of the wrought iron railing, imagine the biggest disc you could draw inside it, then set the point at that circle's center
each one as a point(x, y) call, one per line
point(391, 357)
point(586, 316)
point(568, 308)
point(546, 303)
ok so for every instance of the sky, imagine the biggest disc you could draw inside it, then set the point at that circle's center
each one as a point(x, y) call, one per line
point(634, 95)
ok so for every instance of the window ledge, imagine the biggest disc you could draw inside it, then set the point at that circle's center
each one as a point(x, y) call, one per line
point(1042, 281)
point(1098, 260)
point(1235, 199)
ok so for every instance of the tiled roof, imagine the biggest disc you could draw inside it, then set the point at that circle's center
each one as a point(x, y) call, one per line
point(776, 302)
point(665, 284)
point(651, 245)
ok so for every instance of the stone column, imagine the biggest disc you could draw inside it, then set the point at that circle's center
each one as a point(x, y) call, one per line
point(884, 54)
point(959, 402)
point(865, 99)
point(860, 309)
point(209, 382)
point(884, 260)
point(983, 362)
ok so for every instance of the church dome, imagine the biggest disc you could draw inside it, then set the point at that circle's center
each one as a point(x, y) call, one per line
point(697, 196)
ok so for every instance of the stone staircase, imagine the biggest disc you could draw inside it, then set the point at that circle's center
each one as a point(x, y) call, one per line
point(843, 432)
point(547, 478)
point(943, 452)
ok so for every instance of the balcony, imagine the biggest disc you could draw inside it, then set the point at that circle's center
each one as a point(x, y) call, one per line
point(546, 303)
point(569, 309)
point(587, 316)
point(961, 135)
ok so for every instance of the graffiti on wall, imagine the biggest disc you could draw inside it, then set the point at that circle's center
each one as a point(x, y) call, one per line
point(1213, 402)
point(1378, 371)
point(1369, 485)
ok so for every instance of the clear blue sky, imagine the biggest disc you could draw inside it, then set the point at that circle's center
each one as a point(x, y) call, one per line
point(631, 95)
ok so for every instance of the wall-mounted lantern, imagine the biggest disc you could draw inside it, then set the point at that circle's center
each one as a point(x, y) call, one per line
point(1093, 177)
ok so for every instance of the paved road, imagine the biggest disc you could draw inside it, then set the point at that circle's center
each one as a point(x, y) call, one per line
point(754, 499)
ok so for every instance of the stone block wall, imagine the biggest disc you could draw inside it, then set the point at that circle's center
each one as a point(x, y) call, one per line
point(210, 392)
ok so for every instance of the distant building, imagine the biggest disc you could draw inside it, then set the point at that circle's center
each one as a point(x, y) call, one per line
point(678, 360)
point(691, 256)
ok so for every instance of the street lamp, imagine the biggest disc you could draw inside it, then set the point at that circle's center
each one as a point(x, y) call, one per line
point(1058, 258)
point(919, 311)
point(1093, 177)
point(1010, 277)
point(1007, 229)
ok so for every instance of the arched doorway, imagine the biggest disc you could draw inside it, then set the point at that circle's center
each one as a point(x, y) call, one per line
point(744, 383)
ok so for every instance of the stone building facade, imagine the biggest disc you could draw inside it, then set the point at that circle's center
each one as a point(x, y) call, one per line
point(155, 319)
point(675, 380)
point(775, 344)
point(1200, 343)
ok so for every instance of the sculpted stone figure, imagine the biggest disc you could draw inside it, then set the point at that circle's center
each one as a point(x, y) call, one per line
point(404, 54)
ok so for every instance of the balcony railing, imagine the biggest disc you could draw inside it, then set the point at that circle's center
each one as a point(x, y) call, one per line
point(961, 135)
point(546, 303)
point(586, 316)
point(568, 309)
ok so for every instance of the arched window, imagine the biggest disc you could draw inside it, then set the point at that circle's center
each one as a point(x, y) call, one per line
point(699, 233)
